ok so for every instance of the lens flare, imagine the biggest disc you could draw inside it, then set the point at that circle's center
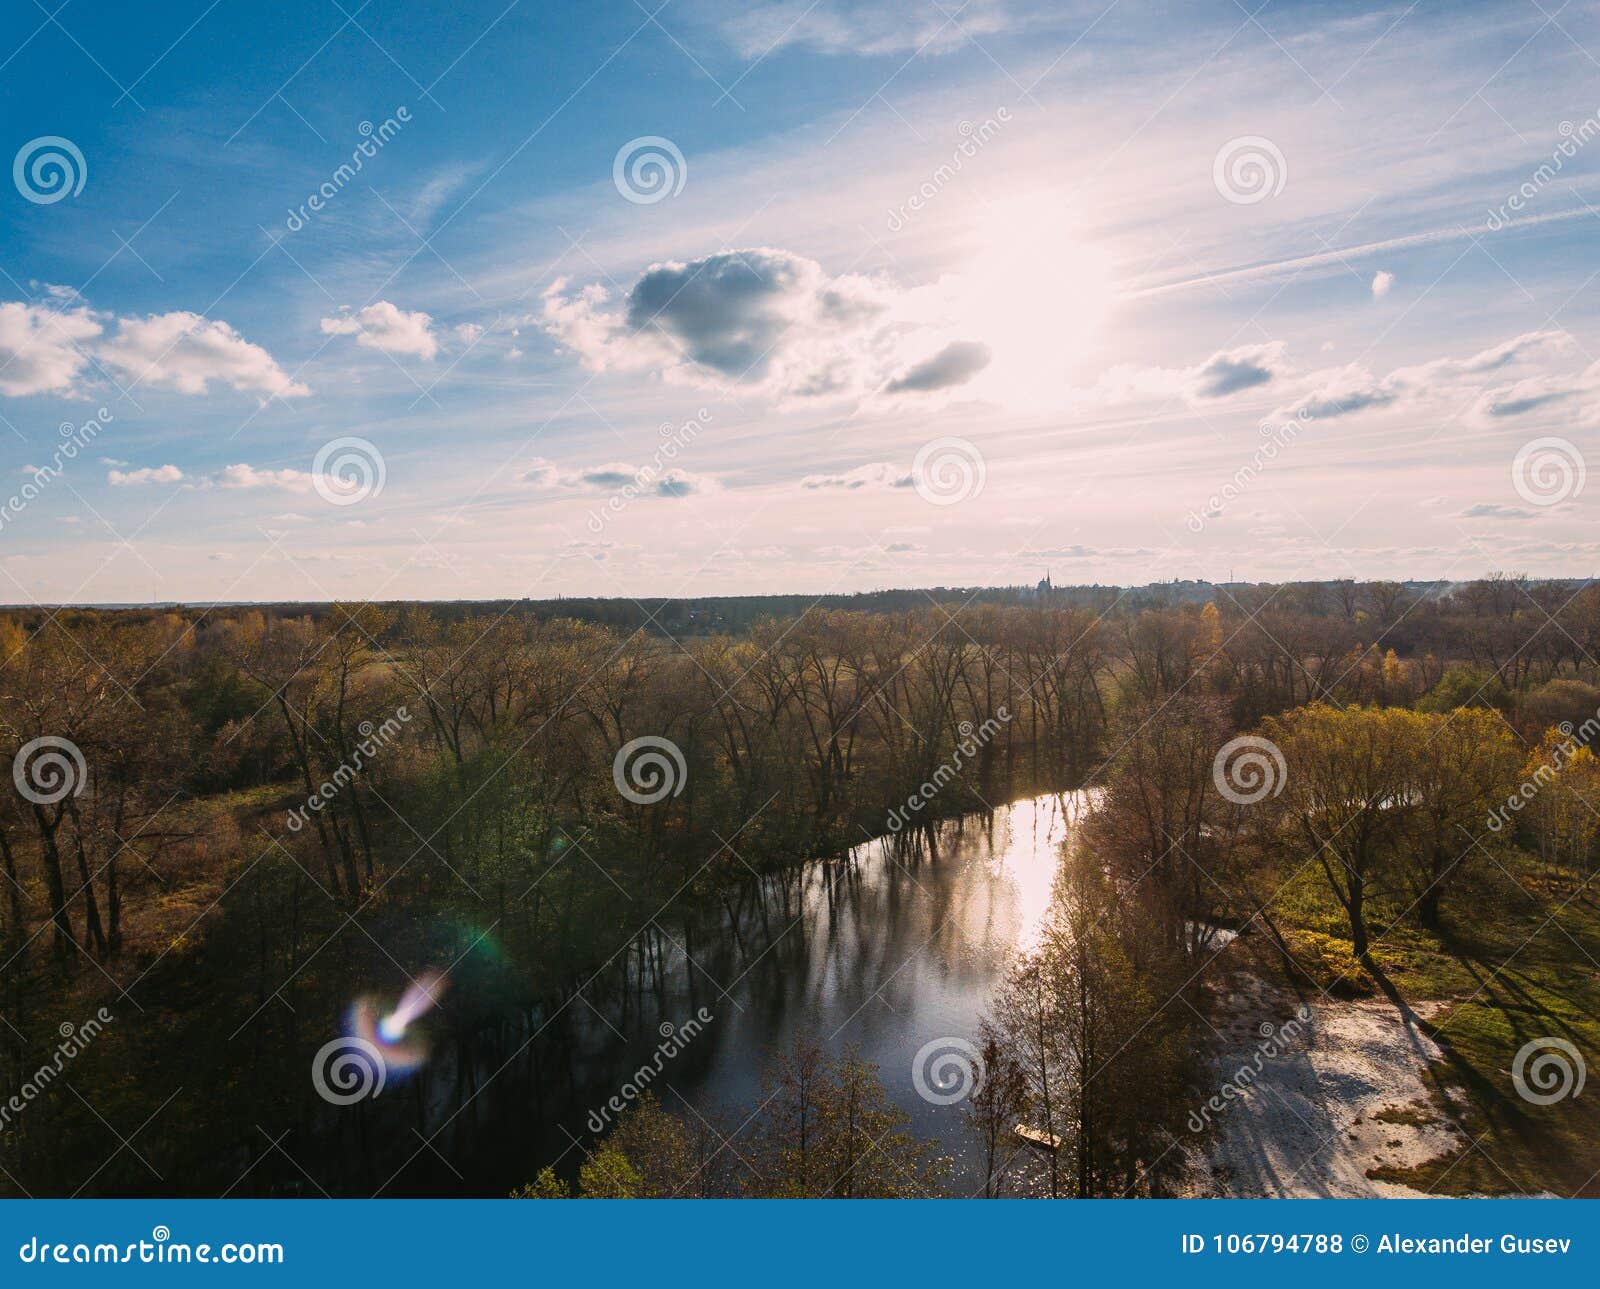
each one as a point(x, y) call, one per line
point(402, 1049)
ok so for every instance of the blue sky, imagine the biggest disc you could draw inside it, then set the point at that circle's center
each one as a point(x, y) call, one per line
point(896, 294)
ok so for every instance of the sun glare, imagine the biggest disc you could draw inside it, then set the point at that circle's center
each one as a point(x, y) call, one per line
point(1037, 292)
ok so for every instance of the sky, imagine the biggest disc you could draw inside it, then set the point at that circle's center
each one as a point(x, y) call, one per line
point(459, 299)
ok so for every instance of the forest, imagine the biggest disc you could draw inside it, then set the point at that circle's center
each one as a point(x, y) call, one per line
point(227, 823)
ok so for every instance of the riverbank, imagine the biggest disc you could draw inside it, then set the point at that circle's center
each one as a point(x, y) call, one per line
point(1317, 1098)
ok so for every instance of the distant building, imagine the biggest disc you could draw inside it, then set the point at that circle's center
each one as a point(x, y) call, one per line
point(1044, 588)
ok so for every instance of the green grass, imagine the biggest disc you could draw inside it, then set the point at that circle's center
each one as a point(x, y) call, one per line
point(1517, 959)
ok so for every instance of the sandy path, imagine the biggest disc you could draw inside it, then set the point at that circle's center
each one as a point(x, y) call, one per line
point(1301, 1120)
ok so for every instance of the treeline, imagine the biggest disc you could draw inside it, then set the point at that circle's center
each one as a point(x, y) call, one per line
point(236, 817)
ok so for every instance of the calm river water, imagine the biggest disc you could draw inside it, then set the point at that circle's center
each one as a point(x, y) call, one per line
point(891, 952)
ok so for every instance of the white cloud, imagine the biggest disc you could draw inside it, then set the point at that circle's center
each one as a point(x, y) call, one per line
point(761, 318)
point(879, 474)
point(1225, 373)
point(1346, 390)
point(541, 473)
point(146, 474)
point(955, 364)
point(247, 476)
point(614, 476)
point(1382, 280)
point(186, 352)
point(41, 349)
point(387, 328)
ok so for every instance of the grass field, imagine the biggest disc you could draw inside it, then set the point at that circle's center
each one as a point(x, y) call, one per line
point(1516, 961)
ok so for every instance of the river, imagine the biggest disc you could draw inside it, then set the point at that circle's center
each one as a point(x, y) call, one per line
point(899, 947)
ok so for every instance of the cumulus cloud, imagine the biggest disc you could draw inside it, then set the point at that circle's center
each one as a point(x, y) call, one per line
point(247, 476)
point(540, 472)
point(759, 318)
point(615, 476)
point(146, 474)
point(1347, 390)
point(1225, 373)
point(42, 349)
point(1382, 280)
point(879, 474)
point(1533, 393)
point(1235, 370)
point(186, 352)
point(387, 328)
point(955, 364)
